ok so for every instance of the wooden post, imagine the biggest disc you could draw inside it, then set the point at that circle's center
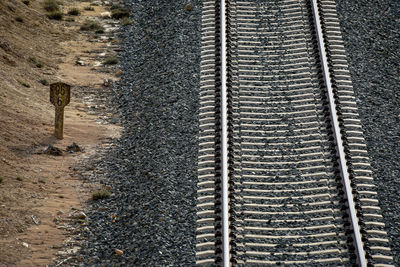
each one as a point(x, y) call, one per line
point(60, 94)
point(59, 123)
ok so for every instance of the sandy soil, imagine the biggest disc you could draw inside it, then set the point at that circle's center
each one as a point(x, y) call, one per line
point(39, 193)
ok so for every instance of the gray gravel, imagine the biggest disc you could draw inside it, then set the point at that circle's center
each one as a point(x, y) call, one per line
point(152, 170)
point(372, 39)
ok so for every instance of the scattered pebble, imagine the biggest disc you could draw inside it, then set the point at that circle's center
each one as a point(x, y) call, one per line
point(119, 252)
point(188, 7)
point(35, 220)
point(118, 73)
point(106, 15)
point(74, 148)
point(52, 150)
point(60, 212)
point(78, 215)
point(106, 82)
point(80, 63)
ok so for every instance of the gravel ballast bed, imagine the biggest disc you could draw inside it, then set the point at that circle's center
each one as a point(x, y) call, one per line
point(371, 33)
point(152, 170)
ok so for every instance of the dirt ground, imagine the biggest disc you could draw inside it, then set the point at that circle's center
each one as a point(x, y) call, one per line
point(39, 192)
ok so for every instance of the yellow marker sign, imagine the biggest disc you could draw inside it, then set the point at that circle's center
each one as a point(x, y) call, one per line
point(60, 95)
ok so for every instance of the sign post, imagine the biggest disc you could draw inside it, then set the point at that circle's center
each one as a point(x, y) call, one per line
point(60, 95)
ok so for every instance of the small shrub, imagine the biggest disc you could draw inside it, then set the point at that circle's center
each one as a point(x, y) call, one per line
point(88, 8)
point(91, 26)
point(110, 61)
point(70, 19)
point(19, 19)
point(119, 13)
point(19, 178)
point(100, 194)
point(25, 84)
point(126, 21)
point(1, 179)
point(74, 12)
point(56, 15)
point(42, 181)
point(115, 7)
point(44, 81)
point(51, 6)
point(26, 2)
point(36, 62)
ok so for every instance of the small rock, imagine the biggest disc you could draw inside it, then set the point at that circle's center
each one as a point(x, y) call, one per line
point(80, 63)
point(78, 215)
point(118, 73)
point(56, 220)
point(118, 252)
point(35, 220)
point(106, 82)
point(52, 150)
point(60, 212)
point(62, 253)
point(188, 7)
point(25, 244)
point(74, 148)
point(106, 15)
point(73, 250)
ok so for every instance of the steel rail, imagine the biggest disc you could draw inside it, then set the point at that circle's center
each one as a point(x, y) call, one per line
point(338, 137)
point(224, 140)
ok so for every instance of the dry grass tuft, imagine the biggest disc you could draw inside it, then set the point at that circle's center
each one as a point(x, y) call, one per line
point(110, 61)
point(91, 25)
point(74, 12)
point(119, 13)
point(56, 15)
point(126, 21)
point(89, 8)
point(51, 6)
point(100, 194)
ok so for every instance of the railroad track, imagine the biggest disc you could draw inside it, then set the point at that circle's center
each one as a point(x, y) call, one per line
point(283, 171)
